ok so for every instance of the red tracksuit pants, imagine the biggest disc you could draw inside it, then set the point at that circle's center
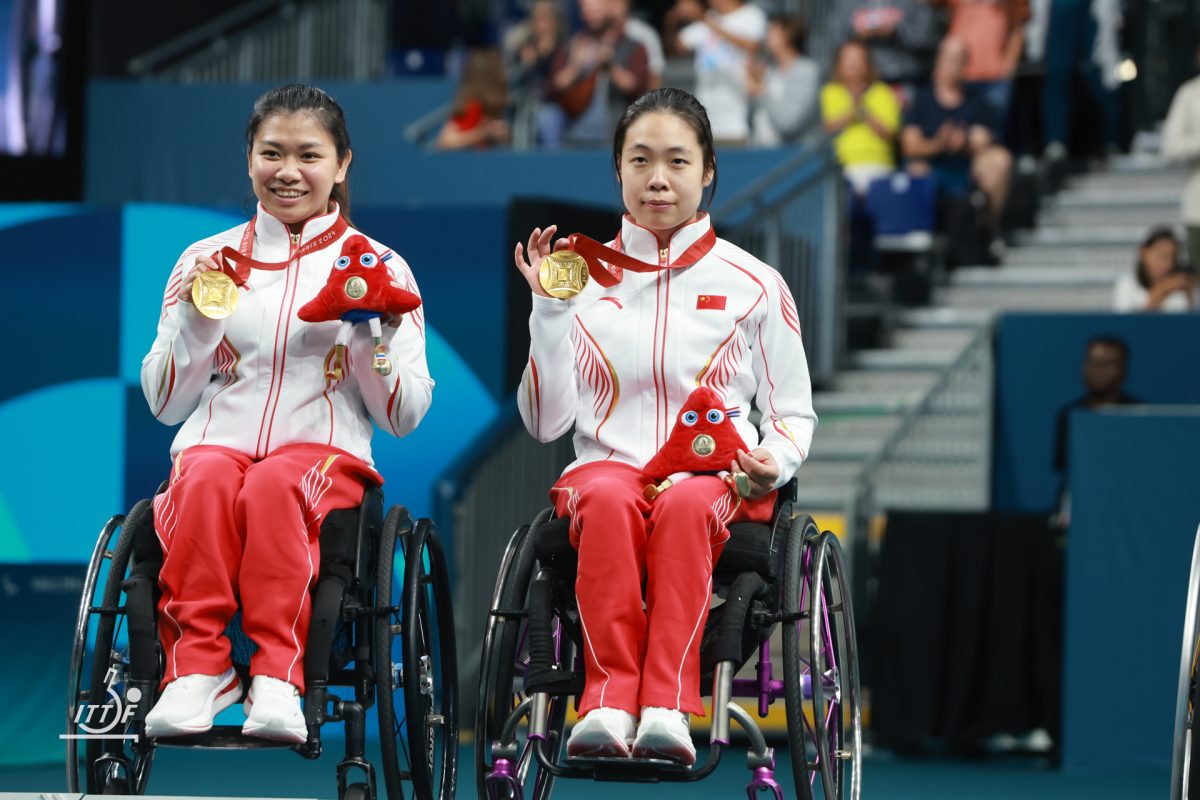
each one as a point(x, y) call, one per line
point(639, 655)
point(234, 528)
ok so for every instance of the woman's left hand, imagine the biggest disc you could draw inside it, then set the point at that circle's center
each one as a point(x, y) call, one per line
point(759, 465)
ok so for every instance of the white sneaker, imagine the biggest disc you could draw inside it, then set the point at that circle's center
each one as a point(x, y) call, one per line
point(664, 733)
point(602, 733)
point(188, 704)
point(273, 711)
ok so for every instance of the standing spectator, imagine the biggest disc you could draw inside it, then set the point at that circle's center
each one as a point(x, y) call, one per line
point(863, 114)
point(785, 91)
point(478, 117)
point(1160, 282)
point(596, 74)
point(947, 132)
point(901, 35)
point(1181, 142)
point(994, 34)
point(645, 35)
point(722, 42)
point(1076, 35)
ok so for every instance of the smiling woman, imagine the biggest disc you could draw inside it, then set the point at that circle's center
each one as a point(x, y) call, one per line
point(255, 472)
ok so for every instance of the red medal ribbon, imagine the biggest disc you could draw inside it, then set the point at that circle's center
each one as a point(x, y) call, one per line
point(607, 265)
point(238, 263)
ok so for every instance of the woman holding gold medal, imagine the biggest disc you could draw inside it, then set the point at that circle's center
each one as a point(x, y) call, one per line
point(277, 417)
point(621, 335)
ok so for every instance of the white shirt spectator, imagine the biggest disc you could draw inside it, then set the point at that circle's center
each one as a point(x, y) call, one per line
point(1181, 142)
point(721, 68)
point(1131, 296)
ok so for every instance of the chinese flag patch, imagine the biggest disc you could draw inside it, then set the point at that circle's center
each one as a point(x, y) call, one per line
point(711, 302)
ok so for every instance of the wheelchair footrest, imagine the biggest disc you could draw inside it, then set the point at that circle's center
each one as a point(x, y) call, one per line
point(221, 737)
point(625, 770)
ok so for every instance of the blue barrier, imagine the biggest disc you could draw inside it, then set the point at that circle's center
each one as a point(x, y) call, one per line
point(1038, 358)
point(1135, 510)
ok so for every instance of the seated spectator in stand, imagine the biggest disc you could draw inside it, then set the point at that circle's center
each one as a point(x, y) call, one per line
point(1181, 142)
point(994, 34)
point(722, 41)
point(1160, 282)
point(901, 35)
point(644, 34)
point(863, 114)
point(596, 75)
point(785, 90)
point(531, 46)
point(478, 117)
point(947, 132)
point(1105, 365)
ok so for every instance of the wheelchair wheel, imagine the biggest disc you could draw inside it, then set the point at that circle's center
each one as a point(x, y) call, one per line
point(1185, 762)
point(98, 695)
point(415, 663)
point(502, 670)
point(820, 666)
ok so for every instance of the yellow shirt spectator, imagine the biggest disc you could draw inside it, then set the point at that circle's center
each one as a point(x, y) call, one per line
point(858, 144)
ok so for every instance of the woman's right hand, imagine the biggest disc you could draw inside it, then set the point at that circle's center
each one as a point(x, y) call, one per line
point(529, 258)
point(203, 264)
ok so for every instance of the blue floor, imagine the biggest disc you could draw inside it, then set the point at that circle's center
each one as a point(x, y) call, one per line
point(281, 773)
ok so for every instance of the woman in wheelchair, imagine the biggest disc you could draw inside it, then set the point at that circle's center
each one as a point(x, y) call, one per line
point(277, 423)
point(618, 362)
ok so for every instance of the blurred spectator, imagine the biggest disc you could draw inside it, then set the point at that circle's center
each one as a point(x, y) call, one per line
point(645, 35)
point(947, 132)
point(1159, 282)
point(863, 114)
point(722, 41)
point(596, 74)
point(785, 90)
point(1075, 35)
point(531, 45)
point(1181, 142)
point(994, 34)
point(901, 34)
point(478, 117)
point(1105, 365)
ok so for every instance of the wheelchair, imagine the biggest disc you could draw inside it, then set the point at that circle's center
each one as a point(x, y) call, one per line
point(786, 574)
point(1185, 752)
point(382, 627)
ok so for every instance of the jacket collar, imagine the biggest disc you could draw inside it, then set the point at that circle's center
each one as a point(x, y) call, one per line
point(687, 246)
point(273, 235)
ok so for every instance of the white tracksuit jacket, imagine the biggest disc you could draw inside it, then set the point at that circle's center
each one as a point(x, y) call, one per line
point(256, 380)
point(620, 362)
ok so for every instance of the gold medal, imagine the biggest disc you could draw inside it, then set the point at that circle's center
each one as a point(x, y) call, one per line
point(356, 287)
point(563, 274)
point(215, 294)
point(703, 445)
point(741, 484)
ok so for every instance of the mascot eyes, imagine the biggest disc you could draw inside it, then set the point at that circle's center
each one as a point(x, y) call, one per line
point(367, 259)
point(689, 418)
point(342, 262)
point(716, 416)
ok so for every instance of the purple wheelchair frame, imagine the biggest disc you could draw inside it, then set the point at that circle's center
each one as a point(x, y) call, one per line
point(504, 781)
